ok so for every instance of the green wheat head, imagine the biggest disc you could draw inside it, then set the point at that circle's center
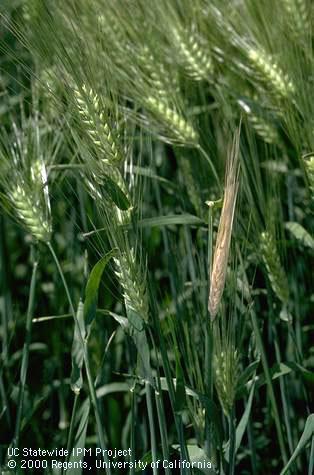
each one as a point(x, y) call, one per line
point(272, 75)
point(275, 271)
point(93, 117)
point(133, 284)
point(194, 58)
point(226, 369)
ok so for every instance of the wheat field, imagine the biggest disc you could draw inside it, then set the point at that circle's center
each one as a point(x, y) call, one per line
point(156, 237)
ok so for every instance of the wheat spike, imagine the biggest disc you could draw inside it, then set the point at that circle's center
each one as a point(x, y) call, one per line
point(24, 179)
point(30, 213)
point(298, 12)
point(223, 239)
point(226, 370)
point(94, 119)
point(109, 26)
point(161, 82)
point(263, 128)
point(183, 131)
point(133, 284)
point(196, 61)
point(275, 272)
point(49, 90)
point(102, 139)
point(164, 86)
point(271, 73)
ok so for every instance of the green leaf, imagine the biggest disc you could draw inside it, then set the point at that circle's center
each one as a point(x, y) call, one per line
point(242, 424)
point(143, 353)
point(135, 320)
point(115, 193)
point(308, 433)
point(245, 377)
point(283, 369)
point(85, 316)
point(171, 219)
point(91, 291)
point(300, 234)
point(123, 322)
point(112, 388)
point(134, 326)
point(138, 335)
point(149, 173)
point(158, 221)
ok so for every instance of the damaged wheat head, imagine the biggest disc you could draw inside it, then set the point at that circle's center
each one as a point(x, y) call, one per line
point(223, 239)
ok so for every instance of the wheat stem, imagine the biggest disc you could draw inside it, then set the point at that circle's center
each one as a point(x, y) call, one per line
point(232, 439)
point(151, 421)
point(25, 354)
point(72, 425)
